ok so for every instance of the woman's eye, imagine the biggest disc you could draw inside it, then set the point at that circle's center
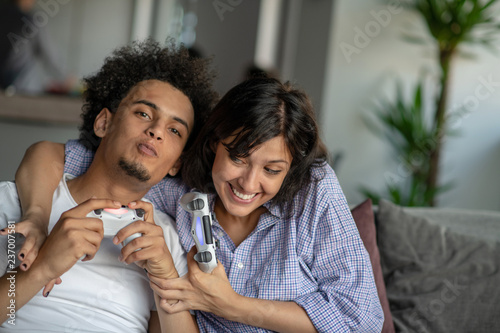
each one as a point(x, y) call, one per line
point(272, 171)
point(236, 160)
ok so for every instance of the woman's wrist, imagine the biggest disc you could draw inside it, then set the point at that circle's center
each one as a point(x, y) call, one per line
point(232, 307)
point(38, 216)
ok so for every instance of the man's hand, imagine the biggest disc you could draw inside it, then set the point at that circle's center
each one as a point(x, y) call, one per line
point(73, 237)
point(150, 250)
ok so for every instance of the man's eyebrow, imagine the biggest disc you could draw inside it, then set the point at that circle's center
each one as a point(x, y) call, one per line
point(155, 107)
point(147, 103)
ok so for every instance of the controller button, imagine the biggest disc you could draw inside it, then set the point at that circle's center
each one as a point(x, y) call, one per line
point(203, 256)
point(140, 212)
point(200, 203)
point(207, 229)
point(196, 204)
point(98, 211)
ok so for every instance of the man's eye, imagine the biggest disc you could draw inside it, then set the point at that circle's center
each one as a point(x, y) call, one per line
point(176, 132)
point(143, 114)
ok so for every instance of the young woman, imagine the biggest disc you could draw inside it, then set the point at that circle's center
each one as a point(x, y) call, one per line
point(290, 256)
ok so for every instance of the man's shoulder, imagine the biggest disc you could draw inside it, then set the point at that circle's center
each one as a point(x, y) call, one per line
point(10, 208)
point(10, 211)
point(7, 186)
point(163, 220)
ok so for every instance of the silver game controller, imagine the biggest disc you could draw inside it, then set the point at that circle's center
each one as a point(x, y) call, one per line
point(201, 229)
point(115, 219)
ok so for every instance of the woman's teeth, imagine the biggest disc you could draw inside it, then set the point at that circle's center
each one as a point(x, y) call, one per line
point(243, 196)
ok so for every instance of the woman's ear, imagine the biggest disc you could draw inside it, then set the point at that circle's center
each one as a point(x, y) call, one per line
point(102, 122)
point(175, 169)
point(213, 146)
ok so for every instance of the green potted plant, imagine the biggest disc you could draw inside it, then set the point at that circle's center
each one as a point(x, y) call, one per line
point(450, 24)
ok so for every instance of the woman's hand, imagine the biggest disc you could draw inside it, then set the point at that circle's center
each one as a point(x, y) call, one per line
point(35, 233)
point(197, 290)
point(150, 250)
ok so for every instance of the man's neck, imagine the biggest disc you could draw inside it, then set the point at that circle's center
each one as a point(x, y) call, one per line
point(98, 184)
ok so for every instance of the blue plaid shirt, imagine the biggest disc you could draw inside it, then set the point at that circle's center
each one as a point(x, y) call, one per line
point(312, 254)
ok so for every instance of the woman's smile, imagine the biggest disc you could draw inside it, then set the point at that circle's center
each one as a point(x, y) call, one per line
point(242, 196)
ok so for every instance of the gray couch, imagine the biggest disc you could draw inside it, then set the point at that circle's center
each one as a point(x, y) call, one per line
point(440, 268)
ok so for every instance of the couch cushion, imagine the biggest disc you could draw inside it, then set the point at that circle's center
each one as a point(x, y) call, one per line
point(441, 274)
point(365, 221)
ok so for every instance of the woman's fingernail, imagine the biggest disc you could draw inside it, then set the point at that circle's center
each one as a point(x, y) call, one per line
point(132, 204)
point(46, 294)
point(24, 266)
point(2, 230)
point(117, 203)
point(21, 255)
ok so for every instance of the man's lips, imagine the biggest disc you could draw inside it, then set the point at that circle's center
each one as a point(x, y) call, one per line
point(148, 149)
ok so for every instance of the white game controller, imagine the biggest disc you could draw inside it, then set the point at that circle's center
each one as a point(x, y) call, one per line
point(201, 229)
point(115, 219)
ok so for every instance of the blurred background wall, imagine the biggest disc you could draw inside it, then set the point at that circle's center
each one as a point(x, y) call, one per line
point(308, 42)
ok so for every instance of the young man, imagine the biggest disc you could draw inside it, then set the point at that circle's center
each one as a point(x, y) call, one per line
point(141, 109)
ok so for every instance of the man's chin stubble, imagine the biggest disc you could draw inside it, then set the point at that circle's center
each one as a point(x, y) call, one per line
point(136, 170)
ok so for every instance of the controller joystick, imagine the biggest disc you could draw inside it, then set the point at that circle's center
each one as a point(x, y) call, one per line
point(201, 229)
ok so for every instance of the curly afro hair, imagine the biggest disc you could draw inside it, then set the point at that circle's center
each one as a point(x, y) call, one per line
point(147, 60)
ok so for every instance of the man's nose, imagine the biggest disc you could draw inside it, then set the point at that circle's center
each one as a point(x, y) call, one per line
point(155, 132)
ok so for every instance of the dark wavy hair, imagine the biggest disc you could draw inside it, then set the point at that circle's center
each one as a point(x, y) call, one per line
point(147, 60)
point(259, 109)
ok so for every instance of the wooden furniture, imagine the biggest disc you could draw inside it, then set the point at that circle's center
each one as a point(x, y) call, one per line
point(52, 109)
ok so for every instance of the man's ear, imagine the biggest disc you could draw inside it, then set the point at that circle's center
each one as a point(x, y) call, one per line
point(177, 166)
point(102, 122)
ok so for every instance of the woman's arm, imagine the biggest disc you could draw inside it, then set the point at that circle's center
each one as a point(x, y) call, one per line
point(177, 322)
point(213, 293)
point(36, 179)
